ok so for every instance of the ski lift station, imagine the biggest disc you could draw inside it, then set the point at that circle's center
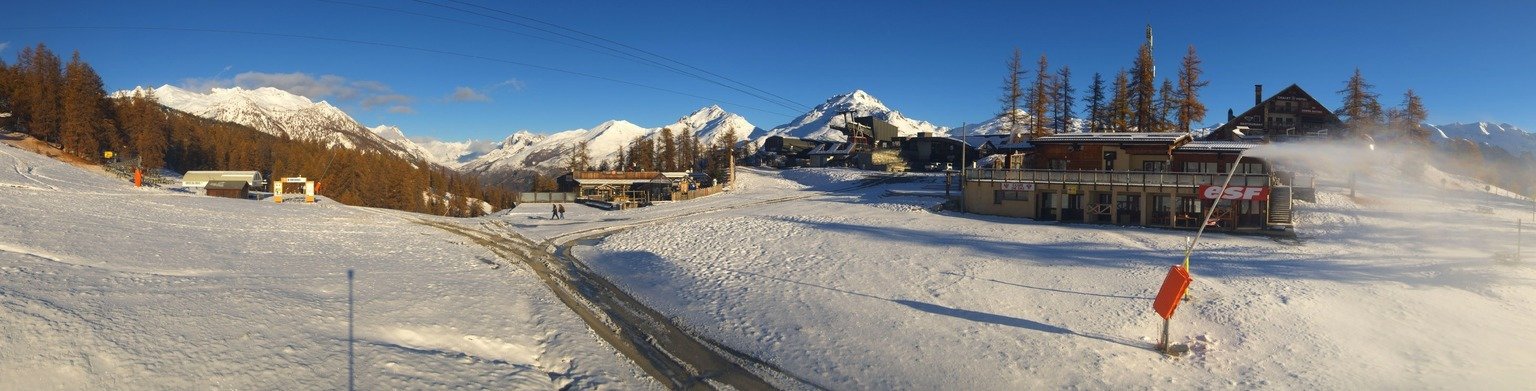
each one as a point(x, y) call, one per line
point(200, 179)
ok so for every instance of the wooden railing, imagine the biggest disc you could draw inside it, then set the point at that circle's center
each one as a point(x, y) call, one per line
point(1122, 178)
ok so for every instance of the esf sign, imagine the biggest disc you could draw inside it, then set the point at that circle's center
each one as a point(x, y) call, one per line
point(1018, 186)
point(1246, 193)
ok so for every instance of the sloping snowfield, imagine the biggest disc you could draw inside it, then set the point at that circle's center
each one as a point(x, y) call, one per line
point(105, 286)
point(866, 288)
point(843, 279)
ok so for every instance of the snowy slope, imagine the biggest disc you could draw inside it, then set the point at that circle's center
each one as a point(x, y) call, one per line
point(817, 124)
point(278, 113)
point(1509, 137)
point(105, 286)
point(853, 287)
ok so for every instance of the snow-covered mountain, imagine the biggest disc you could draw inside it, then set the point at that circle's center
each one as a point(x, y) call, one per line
point(279, 113)
point(707, 124)
point(451, 154)
point(1506, 136)
point(817, 124)
point(528, 151)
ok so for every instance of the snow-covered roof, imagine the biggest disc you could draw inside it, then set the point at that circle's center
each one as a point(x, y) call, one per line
point(1159, 138)
point(1216, 146)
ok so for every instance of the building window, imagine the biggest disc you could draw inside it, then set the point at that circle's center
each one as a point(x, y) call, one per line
point(1154, 166)
point(1251, 168)
point(1200, 167)
point(1058, 164)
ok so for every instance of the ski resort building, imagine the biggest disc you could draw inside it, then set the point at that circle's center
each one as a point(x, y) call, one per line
point(198, 179)
point(1146, 179)
point(1290, 114)
point(621, 190)
point(228, 189)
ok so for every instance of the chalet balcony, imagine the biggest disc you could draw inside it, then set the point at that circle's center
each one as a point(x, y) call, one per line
point(1114, 178)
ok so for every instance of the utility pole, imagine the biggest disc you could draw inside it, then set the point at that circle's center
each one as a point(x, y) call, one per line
point(963, 146)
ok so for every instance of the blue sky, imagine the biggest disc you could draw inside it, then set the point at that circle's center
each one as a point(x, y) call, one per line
point(935, 61)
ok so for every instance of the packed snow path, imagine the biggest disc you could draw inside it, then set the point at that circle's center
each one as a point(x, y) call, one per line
point(671, 354)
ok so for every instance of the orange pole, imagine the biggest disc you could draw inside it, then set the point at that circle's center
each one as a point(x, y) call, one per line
point(138, 177)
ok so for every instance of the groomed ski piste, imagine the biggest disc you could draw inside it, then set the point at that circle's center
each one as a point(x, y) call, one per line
point(840, 279)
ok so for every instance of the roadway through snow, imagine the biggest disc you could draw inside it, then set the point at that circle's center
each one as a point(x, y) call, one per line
point(668, 352)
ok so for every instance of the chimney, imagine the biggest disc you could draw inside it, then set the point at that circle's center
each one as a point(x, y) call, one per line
point(1258, 94)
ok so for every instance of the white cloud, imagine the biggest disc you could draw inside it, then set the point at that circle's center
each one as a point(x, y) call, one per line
point(4, 45)
point(367, 93)
point(466, 94)
point(514, 84)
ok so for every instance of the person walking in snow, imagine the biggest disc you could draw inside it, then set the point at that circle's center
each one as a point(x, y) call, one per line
point(554, 212)
point(561, 208)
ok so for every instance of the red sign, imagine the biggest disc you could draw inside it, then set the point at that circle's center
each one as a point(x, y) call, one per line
point(1172, 292)
point(1254, 193)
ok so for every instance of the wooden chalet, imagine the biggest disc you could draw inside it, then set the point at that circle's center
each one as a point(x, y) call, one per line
point(1147, 179)
point(1291, 113)
point(623, 189)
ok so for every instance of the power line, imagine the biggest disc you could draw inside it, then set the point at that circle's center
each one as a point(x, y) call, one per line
point(396, 46)
point(792, 105)
point(621, 44)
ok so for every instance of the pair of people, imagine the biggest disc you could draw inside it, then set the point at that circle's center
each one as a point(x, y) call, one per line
point(557, 212)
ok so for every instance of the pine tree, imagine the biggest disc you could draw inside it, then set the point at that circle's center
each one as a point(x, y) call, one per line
point(1361, 111)
point(1064, 100)
point(1413, 117)
point(1143, 92)
point(1190, 109)
point(1120, 113)
point(148, 131)
point(1013, 92)
point(668, 150)
point(1167, 106)
point(43, 74)
point(1096, 113)
point(85, 124)
point(1039, 100)
point(578, 159)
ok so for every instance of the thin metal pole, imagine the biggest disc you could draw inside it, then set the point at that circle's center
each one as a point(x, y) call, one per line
point(351, 374)
point(1191, 248)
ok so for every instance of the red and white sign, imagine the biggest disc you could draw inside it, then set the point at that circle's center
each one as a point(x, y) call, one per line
point(1018, 186)
point(1246, 193)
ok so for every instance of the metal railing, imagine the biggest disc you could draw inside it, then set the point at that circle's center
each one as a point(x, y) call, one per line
point(1121, 178)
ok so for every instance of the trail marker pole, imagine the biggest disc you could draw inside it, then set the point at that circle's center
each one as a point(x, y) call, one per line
point(351, 382)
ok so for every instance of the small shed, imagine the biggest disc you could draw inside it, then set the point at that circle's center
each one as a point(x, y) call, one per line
point(228, 189)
